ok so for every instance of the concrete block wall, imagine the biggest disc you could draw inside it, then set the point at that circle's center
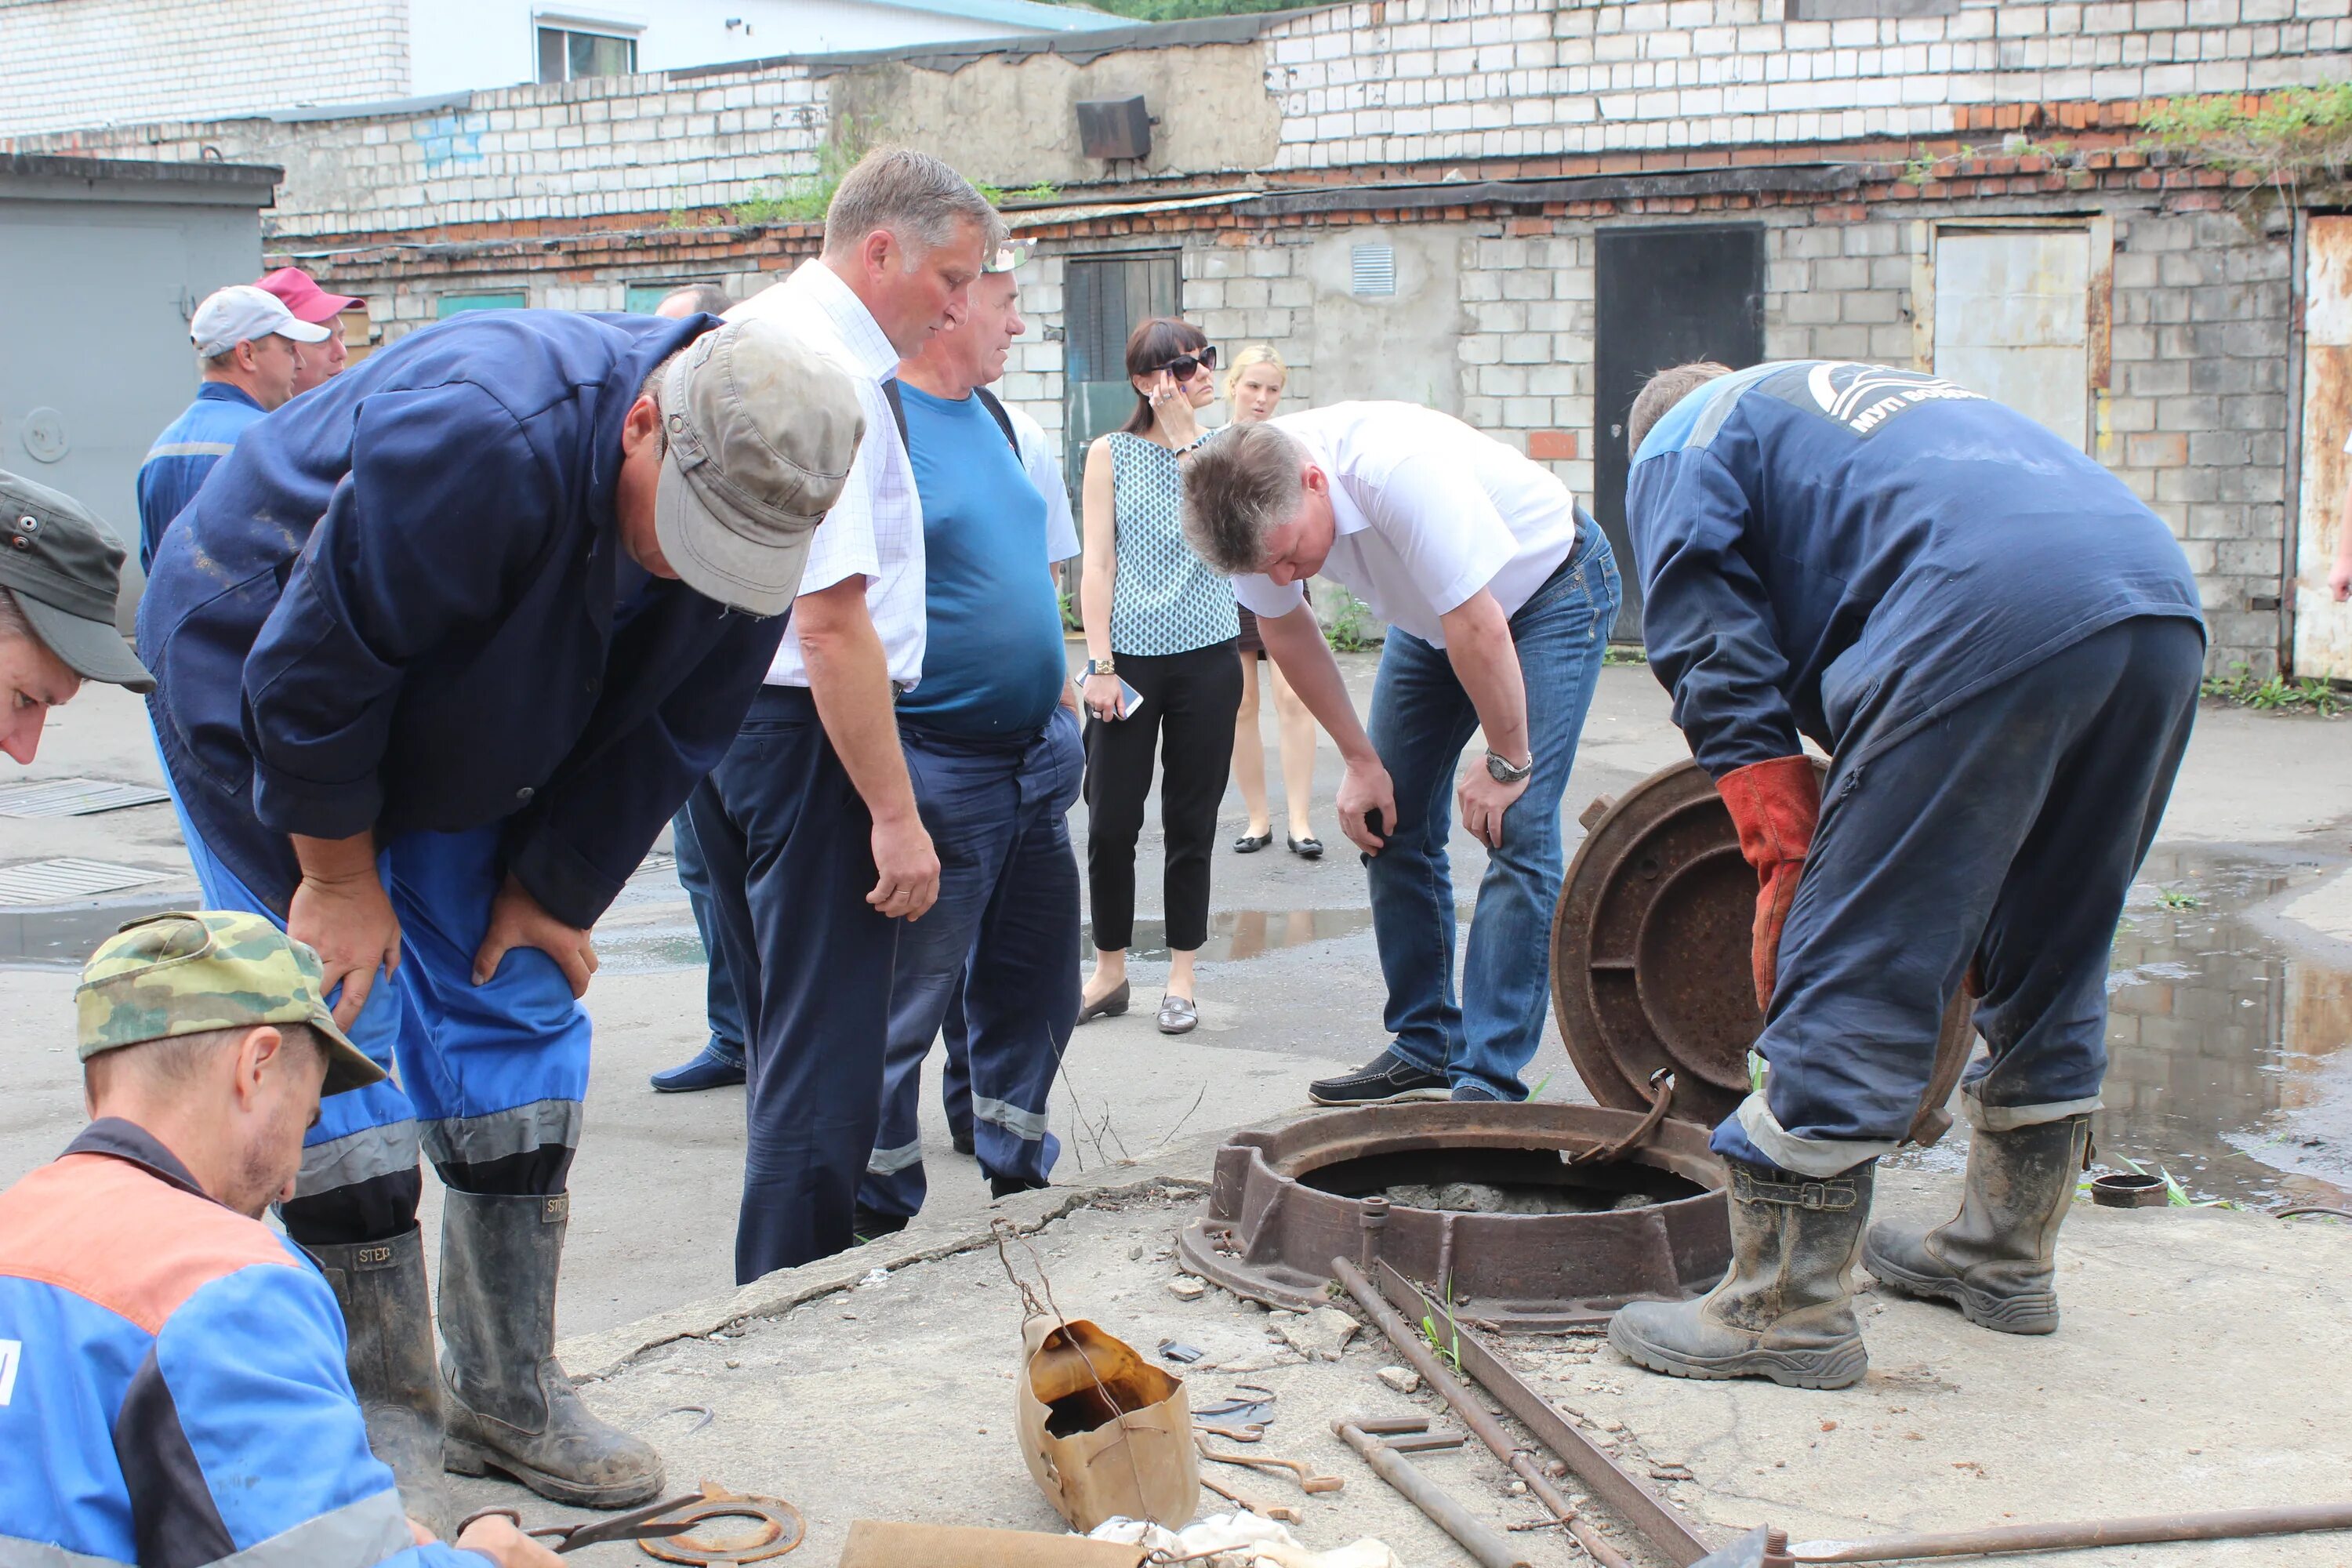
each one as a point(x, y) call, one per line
point(73, 63)
point(2198, 420)
point(1370, 85)
point(1410, 81)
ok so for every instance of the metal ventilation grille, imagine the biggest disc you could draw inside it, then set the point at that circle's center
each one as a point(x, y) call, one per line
point(57, 881)
point(1372, 270)
point(73, 797)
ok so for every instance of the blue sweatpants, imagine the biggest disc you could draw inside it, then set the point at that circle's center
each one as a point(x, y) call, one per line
point(1008, 907)
point(790, 849)
point(2005, 834)
point(488, 1078)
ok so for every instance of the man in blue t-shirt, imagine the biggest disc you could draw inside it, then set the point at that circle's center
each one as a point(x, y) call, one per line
point(2000, 648)
point(991, 734)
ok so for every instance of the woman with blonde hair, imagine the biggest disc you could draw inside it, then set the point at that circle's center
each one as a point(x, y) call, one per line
point(1253, 389)
point(1161, 674)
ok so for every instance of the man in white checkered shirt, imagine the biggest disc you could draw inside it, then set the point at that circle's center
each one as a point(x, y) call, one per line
point(809, 826)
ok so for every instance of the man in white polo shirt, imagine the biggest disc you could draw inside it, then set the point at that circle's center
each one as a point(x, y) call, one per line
point(809, 827)
point(1500, 594)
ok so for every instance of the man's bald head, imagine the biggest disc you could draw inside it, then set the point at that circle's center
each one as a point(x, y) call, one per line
point(706, 299)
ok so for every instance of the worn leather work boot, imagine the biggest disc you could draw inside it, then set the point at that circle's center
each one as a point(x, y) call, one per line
point(388, 1315)
point(1785, 1310)
point(509, 1405)
point(1996, 1257)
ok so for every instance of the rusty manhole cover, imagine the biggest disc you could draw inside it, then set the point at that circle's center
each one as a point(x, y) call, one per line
point(1649, 956)
point(1574, 1242)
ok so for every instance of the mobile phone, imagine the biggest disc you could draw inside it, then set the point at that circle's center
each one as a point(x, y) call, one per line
point(1379, 830)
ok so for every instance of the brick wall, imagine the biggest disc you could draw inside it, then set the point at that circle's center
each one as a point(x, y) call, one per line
point(167, 60)
point(1423, 83)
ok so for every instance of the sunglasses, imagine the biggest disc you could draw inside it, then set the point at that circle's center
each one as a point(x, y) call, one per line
point(1184, 367)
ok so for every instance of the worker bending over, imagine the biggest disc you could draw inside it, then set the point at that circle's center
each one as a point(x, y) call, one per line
point(2000, 648)
point(171, 1383)
point(439, 648)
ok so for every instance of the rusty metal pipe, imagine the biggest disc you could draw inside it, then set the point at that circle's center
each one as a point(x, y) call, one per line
point(2225, 1524)
point(1474, 1414)
point(1477, 1538)
point(1614, 1485)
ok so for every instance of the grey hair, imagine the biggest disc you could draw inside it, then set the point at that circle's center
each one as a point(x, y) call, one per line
point(916, 196)
point(708, 298)
point(1662, 392)
point(1247, 481)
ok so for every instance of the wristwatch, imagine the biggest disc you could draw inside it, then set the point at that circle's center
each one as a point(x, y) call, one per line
point(1098, 667)
point(1501, 769)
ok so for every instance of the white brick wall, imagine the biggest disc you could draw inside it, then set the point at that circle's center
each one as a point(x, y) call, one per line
point(1434, 82)
point(162, 59)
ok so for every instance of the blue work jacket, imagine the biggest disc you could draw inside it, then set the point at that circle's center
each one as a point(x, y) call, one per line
point(393, 608)
point(172, 1388)
point(1848, 551)
point(177, 464)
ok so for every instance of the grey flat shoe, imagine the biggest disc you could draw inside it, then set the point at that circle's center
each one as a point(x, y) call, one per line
point(1113, 1003)
point(1177, 1014)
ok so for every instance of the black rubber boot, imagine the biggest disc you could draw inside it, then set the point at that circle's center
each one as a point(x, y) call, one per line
point(510, 1407)
point(388, 1314)
point(1786, 1309)
point(1997, 1255)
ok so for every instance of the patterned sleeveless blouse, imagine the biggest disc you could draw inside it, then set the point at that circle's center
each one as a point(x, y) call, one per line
point(1164, 598)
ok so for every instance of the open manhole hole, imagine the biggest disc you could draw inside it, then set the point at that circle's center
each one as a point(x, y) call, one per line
point(73, 797)
point(1544, 1215)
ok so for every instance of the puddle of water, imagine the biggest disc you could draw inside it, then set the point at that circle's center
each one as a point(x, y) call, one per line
point(63, 938)
point(2227, 1065)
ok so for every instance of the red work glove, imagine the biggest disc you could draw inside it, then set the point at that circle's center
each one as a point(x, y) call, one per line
point(1775, 806)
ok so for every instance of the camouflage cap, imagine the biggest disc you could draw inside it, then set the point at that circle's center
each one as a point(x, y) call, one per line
point(188, 974)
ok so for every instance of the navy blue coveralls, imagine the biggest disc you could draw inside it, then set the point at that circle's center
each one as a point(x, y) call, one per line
point(402, 604)
point(1998, 646)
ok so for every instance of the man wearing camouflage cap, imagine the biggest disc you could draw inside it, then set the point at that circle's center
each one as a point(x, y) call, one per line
point(439, 648)
point(172, 1371)
point(60, 570)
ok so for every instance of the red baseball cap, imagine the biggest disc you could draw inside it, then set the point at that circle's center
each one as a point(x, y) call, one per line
point(302, 295)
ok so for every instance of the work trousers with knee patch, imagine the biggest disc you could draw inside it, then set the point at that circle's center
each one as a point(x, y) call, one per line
point(998, 813)
point(487, 1079)
point(2005, 834)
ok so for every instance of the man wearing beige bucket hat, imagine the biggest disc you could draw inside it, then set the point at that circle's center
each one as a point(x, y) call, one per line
point(440, 648)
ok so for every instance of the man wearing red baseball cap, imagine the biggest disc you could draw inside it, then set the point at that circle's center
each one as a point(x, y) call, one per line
point(318, 363)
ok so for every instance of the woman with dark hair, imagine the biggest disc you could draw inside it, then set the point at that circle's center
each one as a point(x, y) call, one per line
point(1159, 622)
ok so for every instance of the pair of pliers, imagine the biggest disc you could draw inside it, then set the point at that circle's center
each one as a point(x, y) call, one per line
point(638, 1525)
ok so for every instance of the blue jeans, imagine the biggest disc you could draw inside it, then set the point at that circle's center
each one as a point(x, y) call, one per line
point(2005, 834)
point(1421, 719)
point(999, 948)
point(719, 1001)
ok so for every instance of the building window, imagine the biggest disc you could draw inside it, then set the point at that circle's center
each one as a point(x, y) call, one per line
point(450, 305)
point(567, 54)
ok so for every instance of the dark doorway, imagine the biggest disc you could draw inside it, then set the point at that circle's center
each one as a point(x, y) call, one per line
point(1103, 298)
point(1665, 296)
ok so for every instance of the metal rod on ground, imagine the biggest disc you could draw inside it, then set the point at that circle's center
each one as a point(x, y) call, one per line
point(1474, 1414)
point(1477, 1538)
point(2226, 1524)
point(1611, 1482)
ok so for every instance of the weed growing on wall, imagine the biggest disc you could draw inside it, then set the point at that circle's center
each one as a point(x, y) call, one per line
point(2293, 137)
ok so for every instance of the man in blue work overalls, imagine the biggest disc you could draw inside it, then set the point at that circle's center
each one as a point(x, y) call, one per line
point(438, 650)
point(2000, 648)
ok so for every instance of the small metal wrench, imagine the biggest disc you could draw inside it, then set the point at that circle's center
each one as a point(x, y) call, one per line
point(1309, 1481)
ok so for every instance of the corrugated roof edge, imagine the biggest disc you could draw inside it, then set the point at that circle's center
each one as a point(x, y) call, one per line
point(66, 166)
point(1080, 48)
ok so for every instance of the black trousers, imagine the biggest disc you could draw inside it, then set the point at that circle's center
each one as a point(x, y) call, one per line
point(1191, 698)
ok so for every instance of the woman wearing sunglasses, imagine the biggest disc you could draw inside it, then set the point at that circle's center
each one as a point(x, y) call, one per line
point(1159, 625)
point(1253, 386)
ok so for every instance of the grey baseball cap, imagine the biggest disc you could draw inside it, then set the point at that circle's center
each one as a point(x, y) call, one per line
point(761, 430)
point(66, 571)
